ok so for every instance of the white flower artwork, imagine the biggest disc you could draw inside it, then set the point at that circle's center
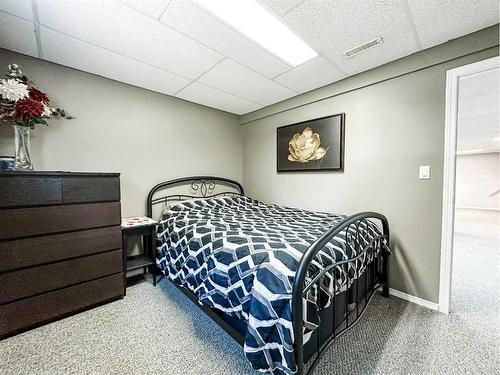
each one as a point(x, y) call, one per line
point(311, 145)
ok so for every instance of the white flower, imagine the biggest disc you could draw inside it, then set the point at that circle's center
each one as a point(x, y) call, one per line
point(305, 147)
point(13, 90)
point(47, 111)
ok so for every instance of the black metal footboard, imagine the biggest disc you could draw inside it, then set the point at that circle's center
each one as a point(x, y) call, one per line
point(370, 268)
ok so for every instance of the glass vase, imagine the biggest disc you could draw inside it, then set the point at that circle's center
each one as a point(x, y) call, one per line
point(22, 142)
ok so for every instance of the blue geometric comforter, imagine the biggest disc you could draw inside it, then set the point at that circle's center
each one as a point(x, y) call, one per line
point(240, 256)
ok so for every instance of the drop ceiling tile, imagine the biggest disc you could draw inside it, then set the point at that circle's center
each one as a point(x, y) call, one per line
point(17, 35)
point(20, 8)
point(114, 26)
point(153, 8)
point(234, 78)
point(195, 22)
point(74, 53)
point(283, 6)
point(439, 21)
point(202, 94)
point(332, 27)
point(311, 75)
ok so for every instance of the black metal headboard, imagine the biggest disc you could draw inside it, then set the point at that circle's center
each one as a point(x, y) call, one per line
point(201, 187)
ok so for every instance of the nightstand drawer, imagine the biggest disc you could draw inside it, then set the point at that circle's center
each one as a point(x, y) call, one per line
point(29, 252)
point(28, 282)
point(25, 222)
point(30, 312)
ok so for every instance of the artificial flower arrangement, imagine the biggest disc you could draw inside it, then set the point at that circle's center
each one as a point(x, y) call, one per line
point(24, 106)
point(22, 103)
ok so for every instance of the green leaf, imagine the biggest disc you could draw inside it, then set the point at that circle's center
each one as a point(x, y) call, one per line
point(38, 120)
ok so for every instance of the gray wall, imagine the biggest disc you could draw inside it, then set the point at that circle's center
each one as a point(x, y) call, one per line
point(392, 127)
point(146, 136)
point(477, 179)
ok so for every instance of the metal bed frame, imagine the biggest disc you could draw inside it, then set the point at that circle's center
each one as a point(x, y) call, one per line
point(372, 253)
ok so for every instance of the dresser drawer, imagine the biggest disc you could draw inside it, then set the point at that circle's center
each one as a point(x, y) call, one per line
point(30, 191)
point(28, 282)
point(28, 252)
point(90, 189)
point(25, 222)
point(21, 315)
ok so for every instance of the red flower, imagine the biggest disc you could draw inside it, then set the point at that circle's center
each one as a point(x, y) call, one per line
point(28, 108)
point(38, 95)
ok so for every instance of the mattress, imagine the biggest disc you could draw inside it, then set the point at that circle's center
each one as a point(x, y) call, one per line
point(239, 256)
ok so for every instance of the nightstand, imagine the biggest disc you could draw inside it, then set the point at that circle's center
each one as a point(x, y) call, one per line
point(144, 227)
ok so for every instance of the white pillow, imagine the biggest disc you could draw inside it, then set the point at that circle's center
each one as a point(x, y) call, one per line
point(168, 206)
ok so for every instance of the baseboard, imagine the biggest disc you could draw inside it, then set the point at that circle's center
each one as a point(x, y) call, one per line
point(417, 300)
point(413, 299)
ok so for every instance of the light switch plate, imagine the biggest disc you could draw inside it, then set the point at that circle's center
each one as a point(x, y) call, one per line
point(424, 172)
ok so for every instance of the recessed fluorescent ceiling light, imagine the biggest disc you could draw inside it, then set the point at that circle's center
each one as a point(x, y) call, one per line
point(254, 21)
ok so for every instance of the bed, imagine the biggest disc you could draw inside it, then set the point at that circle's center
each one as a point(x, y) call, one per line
point(283, 282)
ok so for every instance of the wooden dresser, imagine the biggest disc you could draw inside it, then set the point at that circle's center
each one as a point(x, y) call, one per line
point(60, 246)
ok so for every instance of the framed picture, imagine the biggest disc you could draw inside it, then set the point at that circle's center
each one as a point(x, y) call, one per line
point(314, 145)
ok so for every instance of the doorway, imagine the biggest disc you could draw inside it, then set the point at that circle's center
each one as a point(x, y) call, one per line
point(470, 252)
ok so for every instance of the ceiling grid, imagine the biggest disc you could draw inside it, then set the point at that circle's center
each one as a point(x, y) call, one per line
point(177, 48)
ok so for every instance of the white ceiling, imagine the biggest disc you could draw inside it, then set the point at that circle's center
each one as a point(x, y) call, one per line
point(177, 48)
point(478, 112)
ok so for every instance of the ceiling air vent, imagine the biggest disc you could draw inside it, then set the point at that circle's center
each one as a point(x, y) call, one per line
point(363, 47)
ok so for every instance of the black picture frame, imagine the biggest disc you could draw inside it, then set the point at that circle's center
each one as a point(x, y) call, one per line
point(331, 131)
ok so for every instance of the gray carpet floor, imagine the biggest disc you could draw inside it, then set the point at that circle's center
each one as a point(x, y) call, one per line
point(159, 331)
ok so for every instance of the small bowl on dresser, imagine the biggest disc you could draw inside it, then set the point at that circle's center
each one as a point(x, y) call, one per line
point(7, 163)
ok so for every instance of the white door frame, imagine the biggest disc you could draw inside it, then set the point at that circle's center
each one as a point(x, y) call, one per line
point(450, 146)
